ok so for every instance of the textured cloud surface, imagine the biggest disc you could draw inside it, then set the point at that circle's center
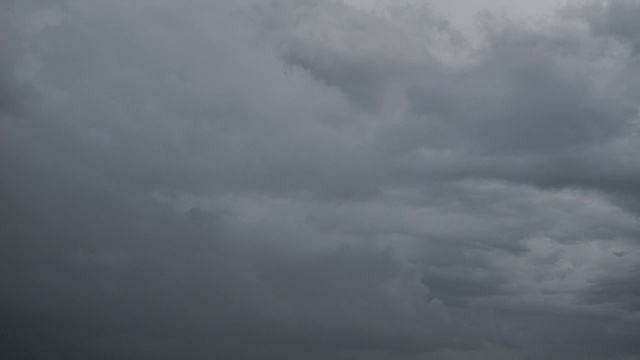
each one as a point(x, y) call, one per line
point(318, 180)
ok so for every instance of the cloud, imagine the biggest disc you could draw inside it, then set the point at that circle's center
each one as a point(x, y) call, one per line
point(316, 180)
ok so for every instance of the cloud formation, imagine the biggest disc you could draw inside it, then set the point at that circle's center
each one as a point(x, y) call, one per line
point(319, 180)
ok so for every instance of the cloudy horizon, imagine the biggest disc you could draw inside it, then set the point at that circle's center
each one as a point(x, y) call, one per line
point(320, 179)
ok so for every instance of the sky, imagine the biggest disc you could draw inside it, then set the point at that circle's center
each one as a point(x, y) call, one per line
point(319, 179)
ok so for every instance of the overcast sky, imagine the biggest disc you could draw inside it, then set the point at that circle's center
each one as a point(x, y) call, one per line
point(322, 180)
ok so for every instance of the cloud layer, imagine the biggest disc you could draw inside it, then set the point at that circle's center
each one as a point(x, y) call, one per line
point(318, 180)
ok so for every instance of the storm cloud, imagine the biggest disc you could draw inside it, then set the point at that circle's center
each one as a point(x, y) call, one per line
point(318, 179)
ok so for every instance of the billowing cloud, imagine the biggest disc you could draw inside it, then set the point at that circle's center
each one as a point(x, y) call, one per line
point(318, 180)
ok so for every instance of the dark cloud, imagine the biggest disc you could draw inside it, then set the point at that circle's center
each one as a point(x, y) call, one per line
point(312, 180)
point(620, 289)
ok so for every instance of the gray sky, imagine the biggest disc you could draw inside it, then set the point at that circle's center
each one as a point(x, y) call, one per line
point(319, 180)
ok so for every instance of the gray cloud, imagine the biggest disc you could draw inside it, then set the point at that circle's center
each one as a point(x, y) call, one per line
point(615, 19)
point(312, 180)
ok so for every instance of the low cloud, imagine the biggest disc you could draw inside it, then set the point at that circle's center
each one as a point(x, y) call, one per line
point(317, 180)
